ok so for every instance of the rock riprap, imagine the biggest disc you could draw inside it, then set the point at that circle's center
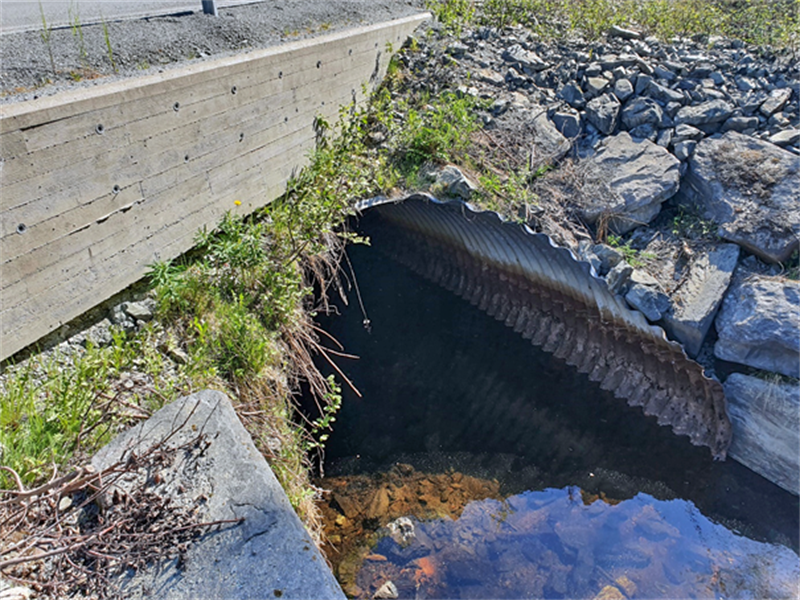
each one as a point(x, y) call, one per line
point(640, 176)
point(758, 324)
point(696, 302)
point(766, 438)
point(751, 188)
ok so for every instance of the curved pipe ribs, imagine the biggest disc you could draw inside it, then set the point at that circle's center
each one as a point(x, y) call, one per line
point(544, 293)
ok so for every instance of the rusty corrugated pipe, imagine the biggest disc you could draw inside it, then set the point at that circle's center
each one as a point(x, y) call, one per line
point(544, 293)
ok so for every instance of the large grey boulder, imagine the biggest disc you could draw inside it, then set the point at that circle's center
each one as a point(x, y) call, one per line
point(640, 176)
point(751, 188)
point(603, 112)
point(759, 324)
point(268, 555)
point(549, 146)
point(713, 111)
point(697, 301)
point(766, 429)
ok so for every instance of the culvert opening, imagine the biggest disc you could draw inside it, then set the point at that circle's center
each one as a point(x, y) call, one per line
point(478, 465)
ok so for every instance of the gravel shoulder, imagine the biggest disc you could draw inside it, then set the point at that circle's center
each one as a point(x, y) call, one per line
point(138, 47)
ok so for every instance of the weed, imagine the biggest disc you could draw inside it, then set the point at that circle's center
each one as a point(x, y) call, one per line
point(632, 256)
point(109, 49)
point(143, 65)
point(45, 34)
point(56, 407)
point(791, 268)
point(77, 31)
point(440, 132)
point(453, 14)
point(689, 224)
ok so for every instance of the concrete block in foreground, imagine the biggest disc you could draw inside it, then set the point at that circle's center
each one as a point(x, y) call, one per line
point(268, 555)
point(766, 429)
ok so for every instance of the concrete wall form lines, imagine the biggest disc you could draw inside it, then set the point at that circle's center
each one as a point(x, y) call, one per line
point(96, 184)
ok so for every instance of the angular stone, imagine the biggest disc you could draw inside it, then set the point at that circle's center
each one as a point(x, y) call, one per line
point(712, 111)
point(609, 257)
point(665, 136)
point(549, 145)
point(758, 324)
point(645, 131)
point(625, 34)
point(664, 73)
point(572, 95)
point(619, 277)
point(659, 92)
point(649, 300)
point(595, 86)
point(751, 188)
point(528, 61)
point(143, 310)
point(569, 124)
point(640, 176)
point(602, 112)
point(640, 111)
point(266, 555)
point(697, 301)
point(685, 132)
point(623, 89)
point(766, 432)
point(739, 124)
point(491, 77)
point(787, 137)
point(683, 150)
point(776, 100)
point(455, 182)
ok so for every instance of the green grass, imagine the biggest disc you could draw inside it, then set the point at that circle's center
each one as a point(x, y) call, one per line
point(762, 22)
point(632, 256)
point(58, 408)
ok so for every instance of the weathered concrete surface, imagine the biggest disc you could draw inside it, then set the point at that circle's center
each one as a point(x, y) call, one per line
point(751, 188)
point(766, 428)
point(696, 303)
point(640, 175)
point(97, 184)
point(759, 324)
point(268, 555)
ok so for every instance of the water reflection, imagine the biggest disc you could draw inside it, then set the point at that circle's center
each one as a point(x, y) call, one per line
point(564, 543)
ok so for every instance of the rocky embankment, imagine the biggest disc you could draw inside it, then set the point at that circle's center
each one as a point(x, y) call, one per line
point(685, 158)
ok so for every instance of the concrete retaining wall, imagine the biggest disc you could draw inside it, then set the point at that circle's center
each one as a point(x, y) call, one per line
point(97, 184)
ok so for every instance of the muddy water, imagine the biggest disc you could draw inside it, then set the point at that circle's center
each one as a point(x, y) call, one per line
point(576, 493)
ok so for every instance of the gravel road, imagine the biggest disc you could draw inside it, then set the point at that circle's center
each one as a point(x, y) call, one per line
point(153, 44)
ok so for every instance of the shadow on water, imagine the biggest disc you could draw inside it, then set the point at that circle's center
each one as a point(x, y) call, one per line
point(447, 387)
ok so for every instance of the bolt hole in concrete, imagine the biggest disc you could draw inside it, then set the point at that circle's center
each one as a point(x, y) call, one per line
point(115, 190)
point(22, 228)
point(234, 90)
point(478, 466)
point(99, 129)
point(176, 107)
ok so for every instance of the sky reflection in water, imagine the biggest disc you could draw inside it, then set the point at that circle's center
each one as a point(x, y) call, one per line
point(557, 543)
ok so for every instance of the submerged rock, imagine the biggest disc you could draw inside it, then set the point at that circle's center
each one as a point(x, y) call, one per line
point(758, 325)
point(751, 188)
point(766, 436)
point(641, 176)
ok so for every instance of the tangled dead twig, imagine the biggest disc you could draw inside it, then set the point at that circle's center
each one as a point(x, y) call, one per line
point(79, 533)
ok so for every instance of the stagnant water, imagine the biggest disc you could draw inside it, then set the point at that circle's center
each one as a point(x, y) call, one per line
point(514, 476)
